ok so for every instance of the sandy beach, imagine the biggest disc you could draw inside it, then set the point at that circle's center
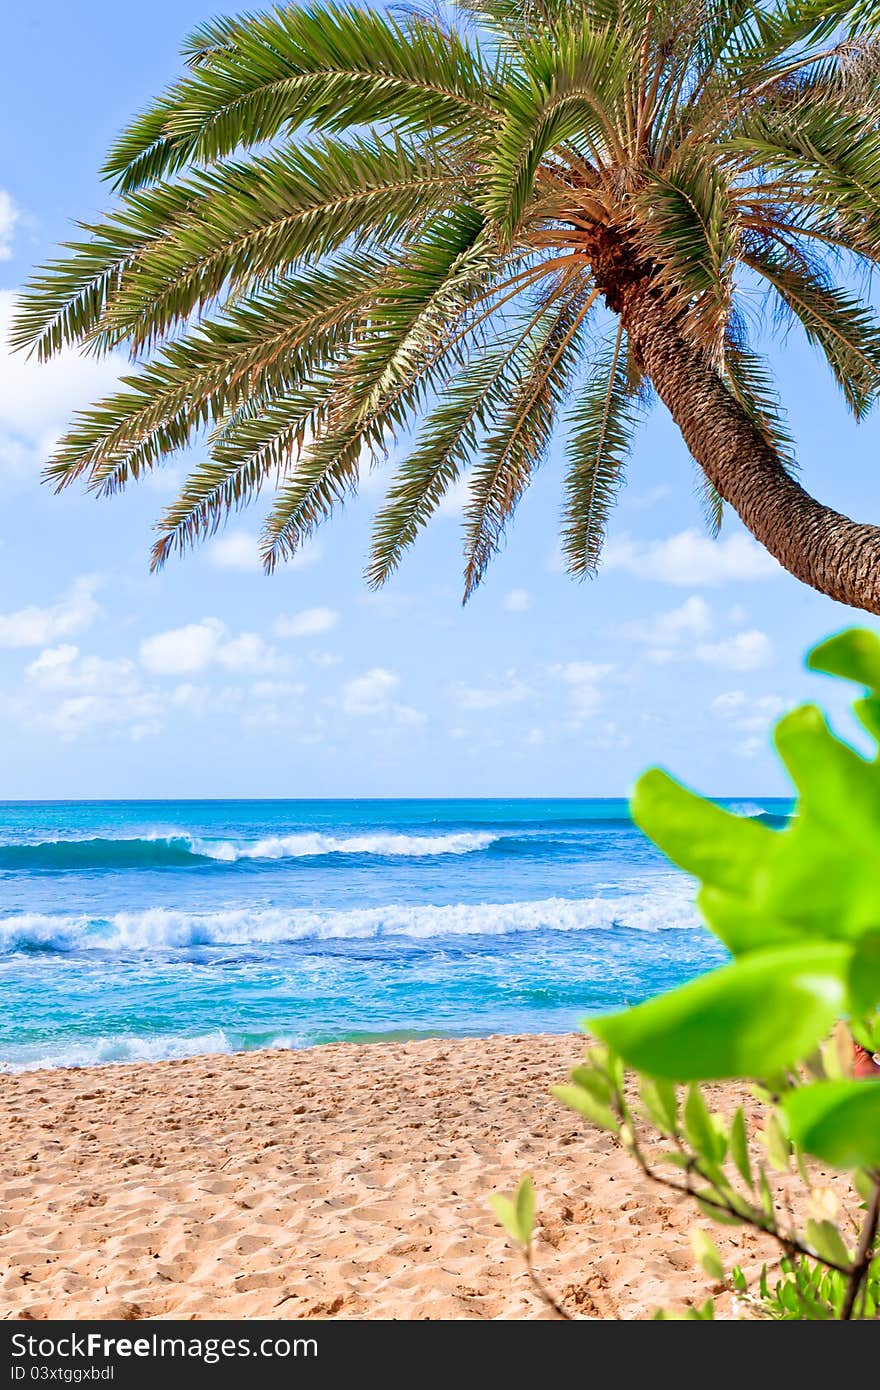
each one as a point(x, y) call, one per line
point(344, 1181)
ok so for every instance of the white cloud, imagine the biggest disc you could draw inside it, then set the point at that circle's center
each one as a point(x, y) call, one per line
point(746, 651)
point(9, 216)
point(184, 651)
point(581, 672)
point(476, 697)
point(691, 620)
point(37, 399)
point(137, 714)
point(691, 559)
point(64, 668)
point(310, 622)
point(246, 652)
point(369, 693)
point(237, 550)
point(517, 601)
point(97, 693)
point(35, 627)
point(583, 679)
point(753, 714)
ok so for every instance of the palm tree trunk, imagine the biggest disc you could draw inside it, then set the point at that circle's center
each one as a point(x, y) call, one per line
point(817, 545)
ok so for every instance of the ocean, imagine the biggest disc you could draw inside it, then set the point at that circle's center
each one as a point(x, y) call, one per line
point(144, 930)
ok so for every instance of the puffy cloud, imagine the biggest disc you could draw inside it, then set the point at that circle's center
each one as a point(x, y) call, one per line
point(310, 622)
point(37, 399)
point(137, 714)
point(371, 694)
point(184, 651)
point(581, 672)
point(517, 601)
point(97, 693)
point(237, 550)
point(745, 651)
point(583, 679)
point(64, 668)
point(35, 627)
point(753, 714)
point(9, 215)
point(691, 559)
point(691, 620)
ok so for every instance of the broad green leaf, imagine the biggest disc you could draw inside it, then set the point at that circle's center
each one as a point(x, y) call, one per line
point(853, 654)
point(863, 1184)
point(778, 1146)
point(517, 1215)
point(767, 1202)
point(698, 1124)
point(760, 1015)
point(525, 1209)
point(739, 1145)
point(594, 1081)
point(583, 1103)
point(661, 1102)
point(838, 1121)
point(826, 1240)
point(696, 834)
point(706, 1254)
point(864, 975)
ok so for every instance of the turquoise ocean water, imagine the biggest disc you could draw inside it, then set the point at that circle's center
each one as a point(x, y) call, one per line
point(145, 930)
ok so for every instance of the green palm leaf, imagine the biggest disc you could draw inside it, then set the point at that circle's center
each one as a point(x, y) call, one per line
point(521, 436)
point(600, 435)
point(327, 67)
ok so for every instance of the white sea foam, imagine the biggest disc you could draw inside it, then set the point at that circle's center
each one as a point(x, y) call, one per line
point(655, 909)
point(125, 1047)
point(311, 845)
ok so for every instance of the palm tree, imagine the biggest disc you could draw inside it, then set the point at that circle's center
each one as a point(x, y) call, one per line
point(342, 226)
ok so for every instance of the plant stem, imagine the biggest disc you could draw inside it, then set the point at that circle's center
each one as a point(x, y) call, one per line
point(543, 1292)
point(864, 1254)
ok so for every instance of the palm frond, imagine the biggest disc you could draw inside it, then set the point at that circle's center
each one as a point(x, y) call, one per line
point(571, 87)
point(236, 473)
point(601, 426)
point(687, 225)
point(250, 222)
point(844, 329)
point(448, 442)
point(327, 67)
point(263, 345)
point(518, 443)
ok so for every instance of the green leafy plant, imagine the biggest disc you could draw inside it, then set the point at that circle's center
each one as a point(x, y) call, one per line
point(799, 910)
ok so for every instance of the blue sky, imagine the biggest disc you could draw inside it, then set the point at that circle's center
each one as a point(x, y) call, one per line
point(212, 680)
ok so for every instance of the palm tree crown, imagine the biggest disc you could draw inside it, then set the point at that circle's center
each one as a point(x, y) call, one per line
point(342, 225)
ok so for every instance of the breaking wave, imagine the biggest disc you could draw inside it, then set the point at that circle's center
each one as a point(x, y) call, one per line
point(164, 929)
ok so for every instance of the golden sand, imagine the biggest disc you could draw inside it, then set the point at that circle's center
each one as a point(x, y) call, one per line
point(342, 1181)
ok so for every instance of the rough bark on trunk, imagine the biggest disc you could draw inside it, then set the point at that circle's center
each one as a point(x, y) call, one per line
point(819, 546)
